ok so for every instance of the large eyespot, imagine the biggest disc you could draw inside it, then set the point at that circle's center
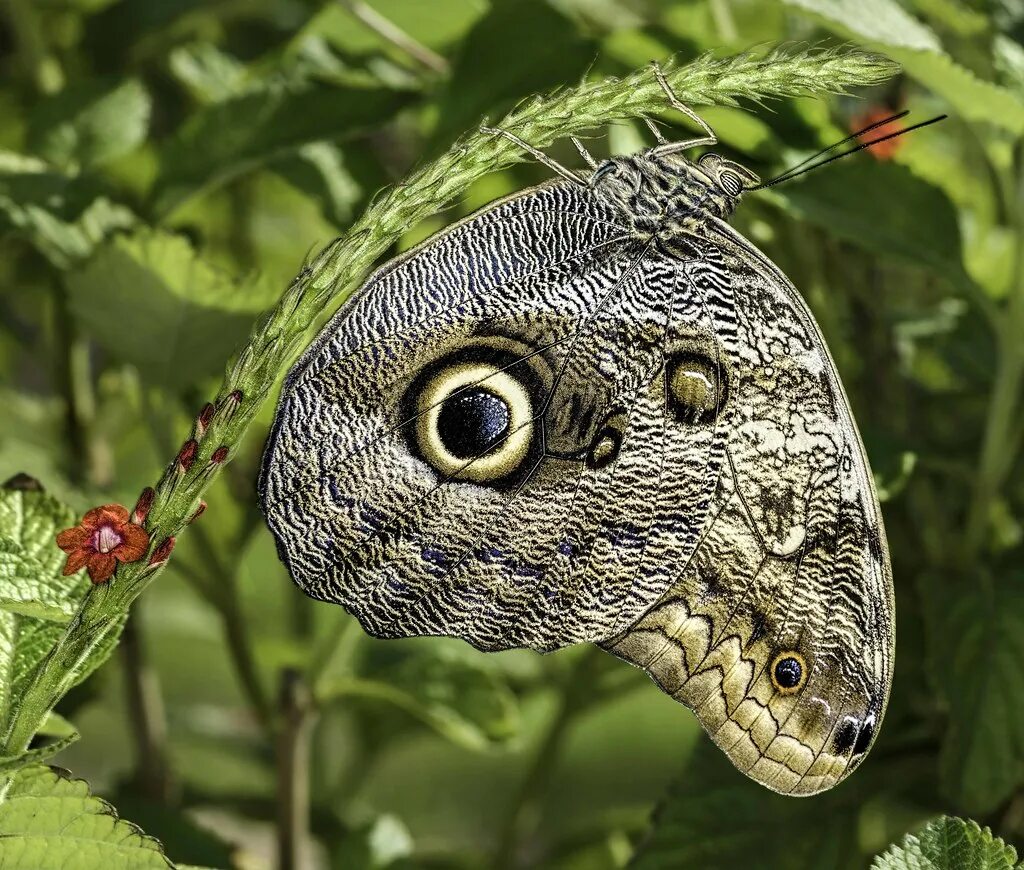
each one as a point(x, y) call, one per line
point(472, 415)
point(697, 387)
point(788, 672)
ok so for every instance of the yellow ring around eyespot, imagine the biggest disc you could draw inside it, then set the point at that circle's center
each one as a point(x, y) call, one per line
point(507, 454)
point(788, 654)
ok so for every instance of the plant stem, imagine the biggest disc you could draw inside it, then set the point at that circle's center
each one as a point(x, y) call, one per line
point(1000, 444)
point(390, 32)
point(326, 281)
point(574, 690)
point(293, 745)
point(153, 775)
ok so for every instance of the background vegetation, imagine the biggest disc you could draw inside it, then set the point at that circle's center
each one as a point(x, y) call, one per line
point(167, 168)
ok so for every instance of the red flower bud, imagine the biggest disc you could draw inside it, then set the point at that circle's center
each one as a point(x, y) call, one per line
point(219, 455)
point(143, 505)
point(163, 551)
point(199, 511)
point(187, 455)
point(203, 420)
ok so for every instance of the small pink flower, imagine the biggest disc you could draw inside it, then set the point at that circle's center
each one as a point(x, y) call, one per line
point(103, 538)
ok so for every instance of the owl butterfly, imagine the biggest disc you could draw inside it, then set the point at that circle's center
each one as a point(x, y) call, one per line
point(593, 412)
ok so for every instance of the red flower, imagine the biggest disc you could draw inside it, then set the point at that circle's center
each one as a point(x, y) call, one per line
point(101, 540)
point(883, 150)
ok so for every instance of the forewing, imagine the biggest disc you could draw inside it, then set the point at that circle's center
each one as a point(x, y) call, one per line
point(571, 547)
point(792, 565)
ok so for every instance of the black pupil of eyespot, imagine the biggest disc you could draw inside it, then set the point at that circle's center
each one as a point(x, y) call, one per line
point(472, 422)
point(788, 673)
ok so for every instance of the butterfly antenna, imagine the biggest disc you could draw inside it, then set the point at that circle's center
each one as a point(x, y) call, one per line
point(799, 169)
point(834, 145)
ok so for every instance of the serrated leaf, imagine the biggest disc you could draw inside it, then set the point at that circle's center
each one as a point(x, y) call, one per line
point(949, 844)
point(90, 123)
point(883, 25)
point(50, 820)
point(236, 135)
point(885, 208)
point(976, 647)
point(35, 598)
point(878, 21)
point(63, 217)
point(186, 315)
point(971, 97)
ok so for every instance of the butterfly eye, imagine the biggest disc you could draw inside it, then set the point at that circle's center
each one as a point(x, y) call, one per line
point(473, 421)
point(696, 388)
point(606, 168)
point(789, 672)
point(730, 182)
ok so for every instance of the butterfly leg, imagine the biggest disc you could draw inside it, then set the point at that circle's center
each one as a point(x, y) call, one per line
point(672, 147)
point(539, 155)
point(656, 131)
point(584, 153)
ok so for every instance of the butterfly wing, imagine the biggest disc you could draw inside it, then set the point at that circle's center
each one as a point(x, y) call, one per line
point(778, 630)
point(541, 318)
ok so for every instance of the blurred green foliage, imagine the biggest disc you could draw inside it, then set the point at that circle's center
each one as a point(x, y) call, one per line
point(166, 168)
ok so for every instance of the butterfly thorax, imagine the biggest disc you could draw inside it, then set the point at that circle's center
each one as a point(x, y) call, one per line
point(665, 196)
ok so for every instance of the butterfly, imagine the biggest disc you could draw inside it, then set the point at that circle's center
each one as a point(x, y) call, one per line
point(594, 412)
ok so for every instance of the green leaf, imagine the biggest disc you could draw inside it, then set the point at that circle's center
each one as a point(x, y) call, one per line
point(976, 647)
point(881, 22)
point(714, 818)
point(459, 698)
point(50, 820)
point(949, 844)
point(35, 598)
point(90, 124)
point(63, 217)
point(549, 51)
point(239, 134)
point(885, 208)
point(210, 74)
point(971, 97)
point(186, 316)
point(884, 26)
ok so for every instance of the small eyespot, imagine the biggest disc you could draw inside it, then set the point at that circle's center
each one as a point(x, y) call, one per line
point(789, 672)
point(606, 168)
point(605, 445)
point(867, 731)
point(697, 388)
point(846, 735)
point(730, 182)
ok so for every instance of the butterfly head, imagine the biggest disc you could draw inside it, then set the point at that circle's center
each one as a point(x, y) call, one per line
point(661, 195)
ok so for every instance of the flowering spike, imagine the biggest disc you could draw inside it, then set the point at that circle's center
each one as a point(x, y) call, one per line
point(163, 551)
point(103, 538)
point(203, 420)
point(187, 455)
point(143, 505)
